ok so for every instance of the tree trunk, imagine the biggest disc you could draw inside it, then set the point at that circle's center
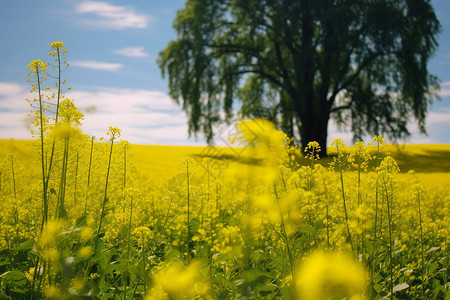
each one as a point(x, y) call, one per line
point(314, 127)
point(287, 115)
point(312, 107)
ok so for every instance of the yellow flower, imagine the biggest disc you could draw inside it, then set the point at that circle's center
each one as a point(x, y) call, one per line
point(50, 254)
point(56, 45)
point(330, 276)
point(114, 133)
point(312, 150)
point(93, 276)
point(52, 292)
point(359, 156)
point(85, 252)
point(30, 274)
point(379, 139)
point(36, 65)
point(338, 143)
point(49, 235)
point(78, 284)
point(176, 281)
point(86, 234)
point(264, 140)
point(389, 166)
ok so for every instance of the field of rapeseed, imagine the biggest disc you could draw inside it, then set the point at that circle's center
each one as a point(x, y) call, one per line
point(91, 217)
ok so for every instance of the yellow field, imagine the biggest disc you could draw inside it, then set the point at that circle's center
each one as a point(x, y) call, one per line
point(221, 223)
point(152, 159)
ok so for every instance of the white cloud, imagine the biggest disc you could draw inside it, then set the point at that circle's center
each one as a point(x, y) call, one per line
point(90, 64)
point(444, 92)
point(12, 98)
point(7, 88)
point(112, 16)
point(132, 52)
point(442, 116)
point(145, 116)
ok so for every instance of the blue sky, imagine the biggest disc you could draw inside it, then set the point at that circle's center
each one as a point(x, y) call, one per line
point(112, 50)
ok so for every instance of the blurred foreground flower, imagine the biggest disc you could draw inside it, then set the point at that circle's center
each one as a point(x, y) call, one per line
point(330, 276)
point(175, 281)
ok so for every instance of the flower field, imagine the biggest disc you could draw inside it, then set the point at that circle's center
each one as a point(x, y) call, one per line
point(98, 218)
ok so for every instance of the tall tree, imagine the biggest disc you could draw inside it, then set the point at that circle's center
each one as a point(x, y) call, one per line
point(300, 62)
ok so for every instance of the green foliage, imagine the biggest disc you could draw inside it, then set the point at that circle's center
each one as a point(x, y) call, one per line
point(296, 62)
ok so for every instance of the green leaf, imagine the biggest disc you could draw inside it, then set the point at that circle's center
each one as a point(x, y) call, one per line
point(4, 263)
point(268, 289)
point(26, 246)
point(81, 221)
point(377, 288)
point(433, 267)
point(307, 229)
point(17, 280)
point(368, 245)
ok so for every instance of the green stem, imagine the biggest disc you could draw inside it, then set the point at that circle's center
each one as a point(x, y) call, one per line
point(89, 174)
point(76, 178)
point(327, 212)
point(13, 176)
point(360, 245)
point(389, 211)
point(287, 242)
point(376, 219)
point(105, 196)
point(43, 165)
point(50, 165)
point(421, 243)
point(61, 210)
point(188, 238)
point(128, 251)
point(344, 200)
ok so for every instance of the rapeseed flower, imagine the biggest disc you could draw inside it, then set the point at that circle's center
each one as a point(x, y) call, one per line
point(330, 276)
point(175, 281)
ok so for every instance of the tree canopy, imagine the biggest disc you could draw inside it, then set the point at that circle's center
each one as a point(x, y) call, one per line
point(300, 62)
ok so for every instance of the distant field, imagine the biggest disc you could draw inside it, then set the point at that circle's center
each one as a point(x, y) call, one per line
point(154, 158)
point(161, 163)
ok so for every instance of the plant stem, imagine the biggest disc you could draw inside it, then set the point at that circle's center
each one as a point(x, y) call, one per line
point(343, 198)
point(286, 241)
point(327, 212)
point(389, 211)
point(89, 174)
point(13, 176)
point(421, 242)
point(105, 196)
point(43, 165)
point(61, 210)
point(76, 178)
point(188, 238)
point(50, 165)
point(128, 250)
point(376, 219)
